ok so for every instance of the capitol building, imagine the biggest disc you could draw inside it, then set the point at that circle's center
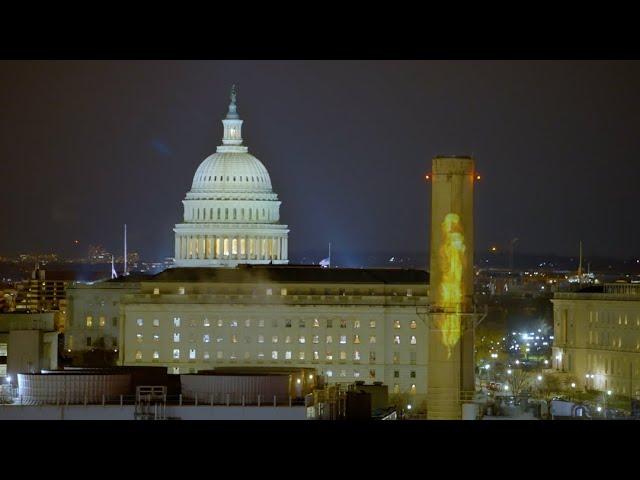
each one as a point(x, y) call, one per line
point(231, 214)
point(233, 301)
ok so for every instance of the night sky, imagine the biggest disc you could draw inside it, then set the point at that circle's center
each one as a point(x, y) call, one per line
point(86, 146)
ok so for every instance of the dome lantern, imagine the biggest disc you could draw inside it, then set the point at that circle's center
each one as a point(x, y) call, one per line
point(232, 123)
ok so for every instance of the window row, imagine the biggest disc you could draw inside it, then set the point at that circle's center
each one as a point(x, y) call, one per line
point(315, 339)
point(274, 355)
point(177, 322)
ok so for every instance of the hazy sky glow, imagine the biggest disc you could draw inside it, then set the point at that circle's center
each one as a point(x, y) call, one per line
point(88, 146)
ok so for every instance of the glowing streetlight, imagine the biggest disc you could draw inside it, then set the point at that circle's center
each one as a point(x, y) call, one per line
point(509, 372)
point(409, 407)
point(539, 378)
point(599, 408)
point(609, 392)
point(573, 384)
point(487, 367)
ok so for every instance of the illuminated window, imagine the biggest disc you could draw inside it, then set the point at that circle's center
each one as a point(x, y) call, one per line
point(206, 322)
point(233, 323)
point(156, 322)
point(234, 339)
point(180, 290)
point(140, 322)
point(356, 355)
point(302, 339)
point(247, 323)
point(329, 339)
point(260, 355)
point(315, 339)
point(300, 355)
point(356, 324)
point(219, 339)
point(206, 356)
point(260, 338)
point(283, 292)
point(90, 321)
point(316, 355)
point(139, 337)
point(156, 355)
point(329, 373)
point(372, 356)
point(176, 321)
point(356, 339)
point(287, 339)
point(287, 355)
point(413, 388)
point(156, 337)
point(219, 355)
point(101, 322)
point(220, 322)
point(413, 340)
point(205, 338)
point(372, 373)
point(343, 339)
point(269, 291)
point(396, 357)
point(372, 339)
point(413, 324)
point(316, 323)
point(396, 324)
point(274, 339)
point(156, 291)
point(176, 337)
point(396, 339)
point(409, 292)
point(343, 355)
point(138, 355)
point(343, 373)
point(372, 324)
point(192, 354)
point(329, 356)
point(274, 355)
point(356, 373)
point(260, 323)
point(176, 353)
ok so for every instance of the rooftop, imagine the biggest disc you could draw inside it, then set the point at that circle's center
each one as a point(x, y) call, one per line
point(293, 274)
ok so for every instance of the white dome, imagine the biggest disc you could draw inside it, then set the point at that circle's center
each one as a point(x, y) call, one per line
point(231, 172)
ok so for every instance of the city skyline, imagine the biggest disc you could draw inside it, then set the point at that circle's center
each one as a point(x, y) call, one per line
point(319, 127)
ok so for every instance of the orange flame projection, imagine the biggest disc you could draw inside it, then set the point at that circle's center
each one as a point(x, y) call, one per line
point(452, 264)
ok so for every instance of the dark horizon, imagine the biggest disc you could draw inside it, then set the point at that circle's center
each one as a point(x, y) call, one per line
point(87, 146)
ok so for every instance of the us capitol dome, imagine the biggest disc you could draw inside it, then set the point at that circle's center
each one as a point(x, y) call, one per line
point(231, 214)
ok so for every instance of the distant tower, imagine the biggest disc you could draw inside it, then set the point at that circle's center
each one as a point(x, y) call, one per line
point(125, 251)
point(450, 368)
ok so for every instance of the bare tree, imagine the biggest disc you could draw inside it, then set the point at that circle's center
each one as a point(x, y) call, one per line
point(518, 381)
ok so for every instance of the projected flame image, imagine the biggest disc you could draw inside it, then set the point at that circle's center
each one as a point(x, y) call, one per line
point(452, 263)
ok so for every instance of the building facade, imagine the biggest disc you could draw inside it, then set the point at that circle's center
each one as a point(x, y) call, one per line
point(231, 214)
point(94, 314)
point(348, 324)
point(597, 337)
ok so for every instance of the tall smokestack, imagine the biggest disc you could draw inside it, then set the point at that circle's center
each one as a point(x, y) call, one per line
point(451, 369)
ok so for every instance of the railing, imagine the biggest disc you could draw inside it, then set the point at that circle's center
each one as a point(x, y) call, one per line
point(622, 288)
point(198, 400)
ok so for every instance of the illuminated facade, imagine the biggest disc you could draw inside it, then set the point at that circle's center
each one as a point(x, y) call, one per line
point(451, 315)
point(231, 214)
point(348, 324)
point(597, 337)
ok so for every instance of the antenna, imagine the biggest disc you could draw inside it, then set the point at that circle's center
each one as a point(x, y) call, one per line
point(580, 265)
point(125, 250)
point(329, 254)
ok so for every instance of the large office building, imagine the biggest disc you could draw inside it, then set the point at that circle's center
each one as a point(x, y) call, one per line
point(597, 337)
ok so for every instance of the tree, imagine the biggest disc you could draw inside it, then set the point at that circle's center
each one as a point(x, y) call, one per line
point(518, 381)
point(549, 385)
